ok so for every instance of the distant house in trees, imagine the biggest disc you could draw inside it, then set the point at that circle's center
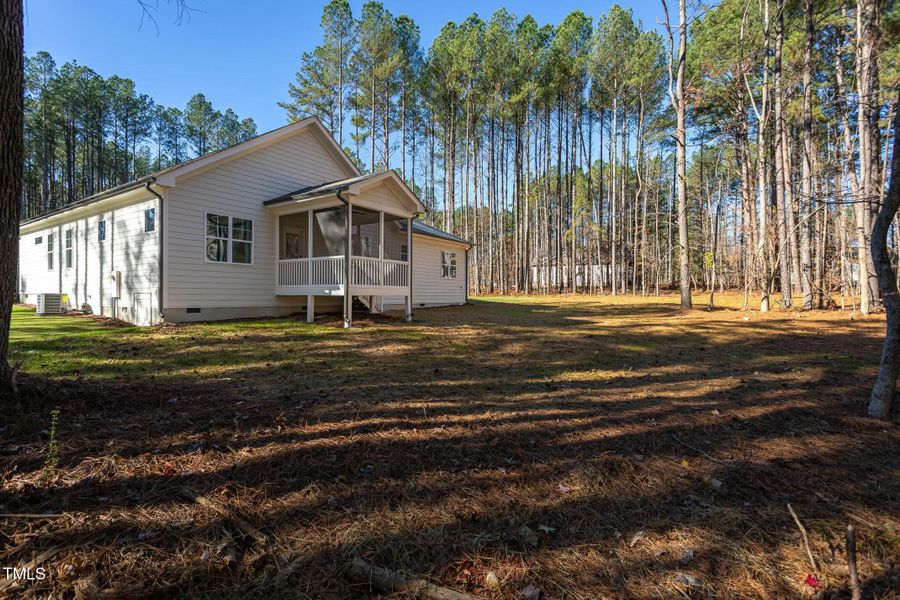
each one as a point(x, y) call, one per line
point(256, 229)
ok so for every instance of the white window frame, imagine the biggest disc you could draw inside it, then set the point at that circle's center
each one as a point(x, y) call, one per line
point(404, 252)
point(146, 211)
point(229, 240)
point(101, 228)
point(448, 264)
point(69, 248)
point(51, 249)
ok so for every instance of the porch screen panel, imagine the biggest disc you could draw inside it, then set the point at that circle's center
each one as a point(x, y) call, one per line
point(329, 231)
point(395, 238)
point(294, 236)
point(366, 233)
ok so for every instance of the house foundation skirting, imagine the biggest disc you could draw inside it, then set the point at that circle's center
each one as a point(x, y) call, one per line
point(187, 315)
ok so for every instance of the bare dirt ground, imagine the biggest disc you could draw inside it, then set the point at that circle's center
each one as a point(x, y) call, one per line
point(587, 447)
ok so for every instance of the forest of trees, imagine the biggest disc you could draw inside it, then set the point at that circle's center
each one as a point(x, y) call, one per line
point(85, 133)
point(552, 147)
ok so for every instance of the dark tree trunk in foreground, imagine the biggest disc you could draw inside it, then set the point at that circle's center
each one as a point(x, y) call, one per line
point(11, 151)
point(885, 385)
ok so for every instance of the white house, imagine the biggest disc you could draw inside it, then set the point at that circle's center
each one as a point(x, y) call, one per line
point(257, 229)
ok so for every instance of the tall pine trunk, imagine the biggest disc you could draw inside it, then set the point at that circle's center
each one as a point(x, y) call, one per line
point(781, 176)
point(678, 101)
point(806, 197)
point(867, 16)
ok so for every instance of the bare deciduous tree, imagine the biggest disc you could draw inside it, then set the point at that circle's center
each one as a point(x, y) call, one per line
point(886, 384)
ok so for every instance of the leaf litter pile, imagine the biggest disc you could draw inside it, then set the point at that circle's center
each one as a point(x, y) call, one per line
point(550, 447)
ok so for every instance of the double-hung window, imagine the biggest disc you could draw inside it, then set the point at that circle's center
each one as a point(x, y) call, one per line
point(68, 248)
point(448, 264)
point(51, 238)
point(241, 241)
point(229, 239)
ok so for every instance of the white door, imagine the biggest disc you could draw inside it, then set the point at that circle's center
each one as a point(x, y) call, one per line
point(143, 308)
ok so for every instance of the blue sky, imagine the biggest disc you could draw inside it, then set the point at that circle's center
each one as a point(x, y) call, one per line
point(240, 54)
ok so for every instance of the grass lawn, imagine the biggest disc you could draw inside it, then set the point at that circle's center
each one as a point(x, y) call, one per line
point(592, 447)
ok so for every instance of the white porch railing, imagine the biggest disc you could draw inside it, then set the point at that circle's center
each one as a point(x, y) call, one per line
point(329, 271)
point(325, 270)
point(293, 271)
point(395, 273)
point(376, 272)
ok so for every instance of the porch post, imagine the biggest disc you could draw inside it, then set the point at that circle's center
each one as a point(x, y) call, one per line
point(348, 246)
point(310, 300)
point(382, 268)
point(409, 269)
point(380, 247)
point(309, 246)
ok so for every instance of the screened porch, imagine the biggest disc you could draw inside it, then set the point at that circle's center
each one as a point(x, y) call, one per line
point(312, 252)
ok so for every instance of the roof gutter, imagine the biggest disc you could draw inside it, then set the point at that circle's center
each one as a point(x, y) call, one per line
point(466, 273)
point(160, 229)
point(348, 254)
point(91, 199)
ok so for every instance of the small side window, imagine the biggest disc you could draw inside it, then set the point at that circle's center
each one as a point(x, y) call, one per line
point(68, 248)
point(448, 264)
point(150, 220)
point(50, 243)
point(404, 252)
point(101, 231)
point(38, 240)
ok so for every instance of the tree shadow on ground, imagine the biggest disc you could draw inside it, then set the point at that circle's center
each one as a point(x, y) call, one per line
point(603, 429)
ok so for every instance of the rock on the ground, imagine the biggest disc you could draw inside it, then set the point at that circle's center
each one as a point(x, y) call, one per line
point(491, 581)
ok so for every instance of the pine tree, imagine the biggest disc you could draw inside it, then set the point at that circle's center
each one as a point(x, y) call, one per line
point(377, 61)
point(339, 39)
point(314, 93)
point(199, 119)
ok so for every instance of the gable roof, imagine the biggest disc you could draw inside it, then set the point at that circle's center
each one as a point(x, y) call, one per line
point(324, 189)
point(201, 163)
point(422, 229)
point(169, 175)
point(332, 187)
point(352, 185)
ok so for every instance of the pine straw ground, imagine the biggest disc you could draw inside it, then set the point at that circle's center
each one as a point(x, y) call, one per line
point(597, 423)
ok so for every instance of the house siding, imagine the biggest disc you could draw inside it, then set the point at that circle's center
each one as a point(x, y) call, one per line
point(429, 288)
point(89, 282)
point(238, 189)
point(234, 187)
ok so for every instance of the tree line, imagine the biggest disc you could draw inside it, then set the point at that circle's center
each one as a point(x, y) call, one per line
point(85, 133)
point(747, 147)
point(554, 147)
